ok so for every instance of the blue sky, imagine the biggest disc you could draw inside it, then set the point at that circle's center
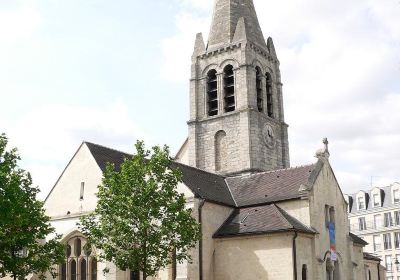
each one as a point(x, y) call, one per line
point(112, 72)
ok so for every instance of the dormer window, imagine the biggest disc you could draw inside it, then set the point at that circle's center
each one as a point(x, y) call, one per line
point(376, 200)
point(396, 196)
point(212, 93)
point(361, 203)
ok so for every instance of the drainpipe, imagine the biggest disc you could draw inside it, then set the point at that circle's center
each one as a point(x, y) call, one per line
point(201, 239)
point(294, 256)
point(379, 272)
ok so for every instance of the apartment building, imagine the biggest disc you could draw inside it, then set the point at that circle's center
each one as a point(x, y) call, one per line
point(374, 216)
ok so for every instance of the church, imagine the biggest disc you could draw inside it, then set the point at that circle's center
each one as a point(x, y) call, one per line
point(260, 218)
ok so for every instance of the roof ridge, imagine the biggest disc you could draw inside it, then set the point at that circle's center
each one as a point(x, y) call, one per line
point(108, 148)
point(273, 171)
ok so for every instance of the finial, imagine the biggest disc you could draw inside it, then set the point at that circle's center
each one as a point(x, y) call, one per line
point(323, 153)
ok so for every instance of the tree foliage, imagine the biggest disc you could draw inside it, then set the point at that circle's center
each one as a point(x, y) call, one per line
point(23, 223)
point(140, 218)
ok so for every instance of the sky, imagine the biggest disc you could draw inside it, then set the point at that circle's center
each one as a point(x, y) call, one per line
point(113, 72)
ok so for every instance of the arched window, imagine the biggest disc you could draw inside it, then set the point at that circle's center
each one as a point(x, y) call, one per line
point(260, 100)
point(270, 101)
point(212, 93)
point(78, 247)
point(73, 270)
point(63, 271)
point(78, 264)
point(229, 89)
point(93, 269)
point(83, 271)
point(220, 150)
point(304, 272)
point(369, 275)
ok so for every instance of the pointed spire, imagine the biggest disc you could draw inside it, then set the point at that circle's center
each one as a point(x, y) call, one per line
point(226, 17)
point(240, 33)
point(199, 46)
point(271, 47)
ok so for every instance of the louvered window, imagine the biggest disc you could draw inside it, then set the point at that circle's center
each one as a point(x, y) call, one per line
point(260, 100)
point(212, 93)
point(229, 89)
point(270, 101)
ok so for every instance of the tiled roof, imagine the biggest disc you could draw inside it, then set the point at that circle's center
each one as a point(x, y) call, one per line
point(270, 186)
point(260, 220)
point(358, 240)
point(239, 191)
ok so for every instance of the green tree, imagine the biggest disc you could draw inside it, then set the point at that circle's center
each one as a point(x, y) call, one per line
point(23, 223)
point(140, 218)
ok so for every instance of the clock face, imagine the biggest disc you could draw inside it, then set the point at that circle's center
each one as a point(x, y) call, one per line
point(269, 136)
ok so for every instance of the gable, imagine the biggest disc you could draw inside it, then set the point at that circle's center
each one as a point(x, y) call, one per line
point(66, 193)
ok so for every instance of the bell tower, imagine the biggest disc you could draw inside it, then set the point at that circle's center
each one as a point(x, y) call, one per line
point(236, 109)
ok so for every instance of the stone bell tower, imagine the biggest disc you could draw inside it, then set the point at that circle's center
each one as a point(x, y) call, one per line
point(236, 110)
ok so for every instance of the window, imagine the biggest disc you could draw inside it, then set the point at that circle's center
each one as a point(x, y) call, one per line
point(134, 275)
point(73, 270)
point(377, 221)
point(212, 93)
point(93, 269)
point(78, 247)
point(396, 196)
point(362, 225)
point(397, 218)
point(82, 192)
point(304, 272)
point(63, 271)
point(397, 240)
point(376, 199)
point(229, 89)
point(329, 215)
point(260, 100)
point(377, 243)
point(332, 214)
point(388, 261)
point(369, 275)
point(387, 241)
point(270, 101)
point(361, 203)
point(388, 222)
point(77, 266)
point(83, 269)
point(397, 262)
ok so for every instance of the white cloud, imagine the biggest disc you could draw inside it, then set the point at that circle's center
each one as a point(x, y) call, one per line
point(48, 137)
point(19, 20)
point(340, 66)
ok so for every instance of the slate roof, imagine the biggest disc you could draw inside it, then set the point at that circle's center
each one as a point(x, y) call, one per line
point(104, 155)
point(252, 196)
point(386, 196)
point(368, 256)
point(206, 185)
point(260, 220)
point(358, 240)
point(270, 186)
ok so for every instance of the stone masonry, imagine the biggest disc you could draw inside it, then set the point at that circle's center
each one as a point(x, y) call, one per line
point(254, 141)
